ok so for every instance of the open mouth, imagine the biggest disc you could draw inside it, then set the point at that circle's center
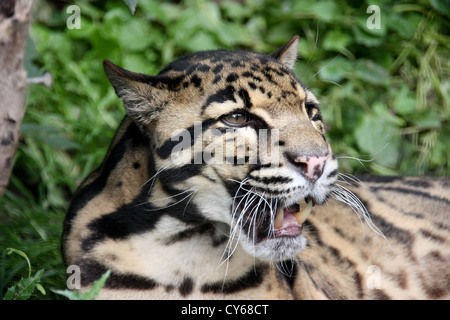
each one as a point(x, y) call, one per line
point(288, 221)
point(275, 221)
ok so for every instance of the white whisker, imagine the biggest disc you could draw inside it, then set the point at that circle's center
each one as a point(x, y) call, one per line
point(193, 191)
point(187, 204)
point(313, 51)
point(154, 176)
point(343, 178)
point(283, 267)
point(325, 66)
point(344, 195)
point(245, 213)
point(332, 82)
point(357, 159)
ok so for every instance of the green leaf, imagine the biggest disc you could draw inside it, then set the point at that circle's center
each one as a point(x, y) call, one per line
point(40, 288)
point(379, 138)
point(405, 101)
point(334, 69)
point(23, 289)
point(132, 5)
point(22, 254)
point(201, 41)
point(336, 40)
point(49, 135)
point(427, 120)
point(32, 128)
point(383, 112)
point(405, 27)
point(235, 10)
point(136, 62)
point(30, 55)
point(58, 141)
point(366, 39)
point(93, 292)
point(306, 49)
point(135, 35)
point(70, 294)
point(371, 72)
point(442, 6)
point(326, 11)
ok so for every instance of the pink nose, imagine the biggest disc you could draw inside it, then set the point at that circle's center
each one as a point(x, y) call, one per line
point(310, 166)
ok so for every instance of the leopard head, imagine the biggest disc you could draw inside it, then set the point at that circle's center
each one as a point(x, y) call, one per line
point(236, 134)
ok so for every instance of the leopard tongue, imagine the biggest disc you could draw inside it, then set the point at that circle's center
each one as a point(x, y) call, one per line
point(300, 216)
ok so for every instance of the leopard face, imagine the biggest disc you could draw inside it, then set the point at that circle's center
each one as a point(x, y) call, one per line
point(239, 137)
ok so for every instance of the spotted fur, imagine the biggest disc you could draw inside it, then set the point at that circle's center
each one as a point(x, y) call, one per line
point(197, 223)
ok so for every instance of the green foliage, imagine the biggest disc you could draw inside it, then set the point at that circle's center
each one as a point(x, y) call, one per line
point(30, 225)
point(384, 93)
point(24, 288)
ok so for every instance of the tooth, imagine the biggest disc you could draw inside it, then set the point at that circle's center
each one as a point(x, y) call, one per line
point(308, 198)
point(278, 223)
point(302, 215)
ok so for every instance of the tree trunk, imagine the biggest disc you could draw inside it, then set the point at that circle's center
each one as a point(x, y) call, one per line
point(14, 25)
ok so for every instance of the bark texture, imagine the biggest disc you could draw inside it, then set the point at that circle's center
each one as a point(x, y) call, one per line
point(14, 26)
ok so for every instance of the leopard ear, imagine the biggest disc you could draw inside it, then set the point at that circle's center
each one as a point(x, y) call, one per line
point(287, 54)
point(143, 95)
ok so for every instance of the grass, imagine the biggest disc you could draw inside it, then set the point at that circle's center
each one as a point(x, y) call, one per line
point(35, 231)
point(384, 96)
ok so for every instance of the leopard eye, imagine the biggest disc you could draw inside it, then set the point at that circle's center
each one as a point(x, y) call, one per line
point(313, 111)
point(236, 119)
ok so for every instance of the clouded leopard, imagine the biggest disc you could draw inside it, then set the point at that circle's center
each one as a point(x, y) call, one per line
point(221, 184)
